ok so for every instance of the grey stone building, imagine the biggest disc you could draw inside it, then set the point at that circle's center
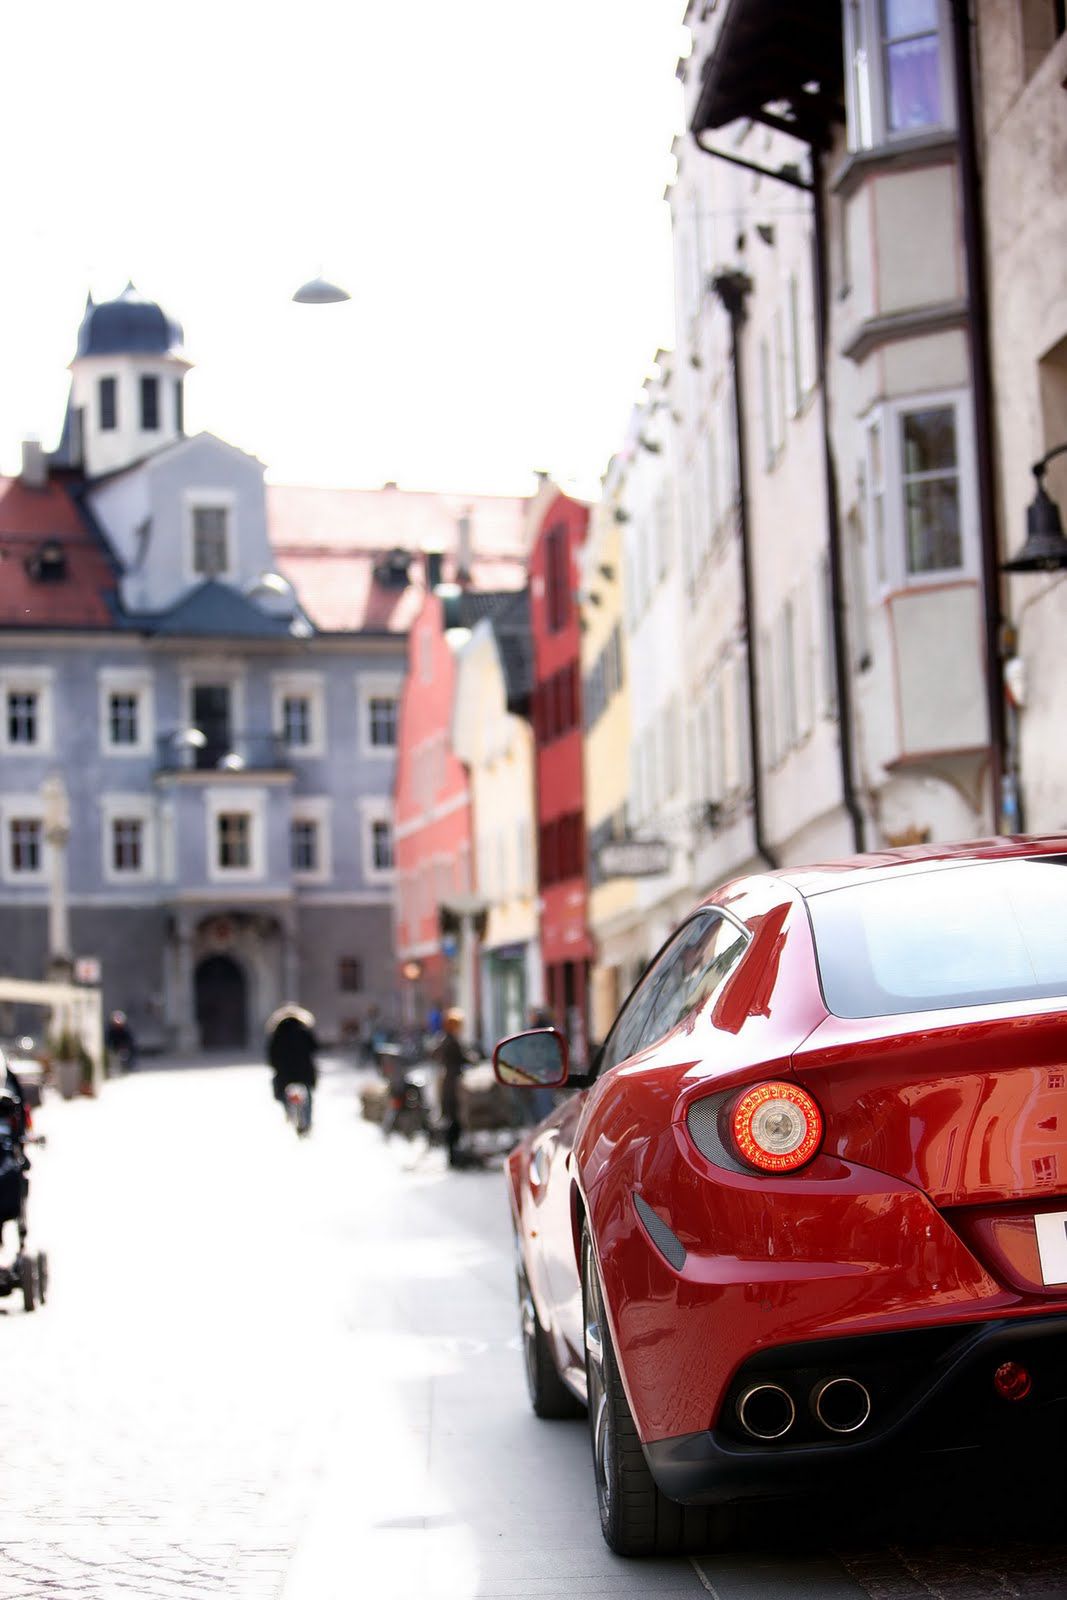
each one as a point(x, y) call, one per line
point(229, 762)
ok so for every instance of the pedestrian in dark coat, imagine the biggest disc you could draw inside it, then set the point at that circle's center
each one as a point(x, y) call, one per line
point(452, 1058)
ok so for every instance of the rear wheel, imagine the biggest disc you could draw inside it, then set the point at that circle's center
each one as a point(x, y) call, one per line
point(549, 1395)
point(28, 1282)
point(636, 1517)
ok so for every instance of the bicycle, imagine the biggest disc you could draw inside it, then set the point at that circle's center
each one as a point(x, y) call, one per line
point(298, 1108)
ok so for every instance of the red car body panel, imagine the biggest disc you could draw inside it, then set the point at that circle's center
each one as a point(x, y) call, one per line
point(944, 1133)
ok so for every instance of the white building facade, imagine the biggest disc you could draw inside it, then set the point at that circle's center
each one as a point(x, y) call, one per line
point(832, 547)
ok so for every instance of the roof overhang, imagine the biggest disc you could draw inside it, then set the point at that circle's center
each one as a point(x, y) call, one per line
point(774, 53)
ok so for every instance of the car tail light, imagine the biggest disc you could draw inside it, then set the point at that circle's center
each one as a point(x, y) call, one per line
point(1012, 1381)
point(776, 1127)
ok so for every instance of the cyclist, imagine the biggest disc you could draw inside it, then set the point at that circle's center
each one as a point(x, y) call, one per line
point(291, 1047)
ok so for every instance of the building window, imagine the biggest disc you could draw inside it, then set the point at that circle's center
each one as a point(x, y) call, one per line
point(211, 540)
point(557, 587)
point(150, 404)
point(109, 405)
point(796, 350)
point(304, 845)
point(234, 839)
point(931, 483)
point(26, 840)
point(122, 718)
point(383, 714)
point(382, 845)
point(899, 82)
point(23, 717)
point(296, 720)
point(378, 699)
point(179, 406)
point(920, 491)
point(788, 680)
point(127, 844)
point(349, 975)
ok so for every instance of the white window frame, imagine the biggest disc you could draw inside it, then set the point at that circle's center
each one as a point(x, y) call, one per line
point(787, 678)
point(372, 686)
point(301, 686)
point(224, 799)
point(15, 807)
point(132, 681)
point(865, 78)
point(713, 482)
point(209, 499)
point(889, 418)
point(372, 809)
point(770, 451)
point(29, 680)
point(664, 526)
point(135, 808)
point(319, 810)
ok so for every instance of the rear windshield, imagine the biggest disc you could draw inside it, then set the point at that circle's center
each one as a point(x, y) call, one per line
point(967, 935)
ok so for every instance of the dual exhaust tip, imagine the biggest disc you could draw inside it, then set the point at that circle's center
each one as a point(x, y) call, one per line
point(767, 1412)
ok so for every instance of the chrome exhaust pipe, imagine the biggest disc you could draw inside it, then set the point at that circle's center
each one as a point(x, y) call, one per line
point(842, 1405)
point(766, 1411)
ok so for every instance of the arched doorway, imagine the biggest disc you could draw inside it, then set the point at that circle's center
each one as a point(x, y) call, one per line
point(221, 1004)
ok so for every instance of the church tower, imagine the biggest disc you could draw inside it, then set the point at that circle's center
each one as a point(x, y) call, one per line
point(126, 397)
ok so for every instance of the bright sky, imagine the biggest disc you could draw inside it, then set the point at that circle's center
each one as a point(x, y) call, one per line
point(485, 179)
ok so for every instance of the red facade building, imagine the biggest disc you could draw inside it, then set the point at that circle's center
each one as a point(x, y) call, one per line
point(566, 947)
point(432, 827)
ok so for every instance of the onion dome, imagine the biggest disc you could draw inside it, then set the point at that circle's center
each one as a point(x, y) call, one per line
point(128, 326)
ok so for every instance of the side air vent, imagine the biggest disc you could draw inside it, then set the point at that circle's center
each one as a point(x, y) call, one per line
point(667, 1243)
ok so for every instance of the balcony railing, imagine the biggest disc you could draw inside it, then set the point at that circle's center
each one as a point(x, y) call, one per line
point(192, 750)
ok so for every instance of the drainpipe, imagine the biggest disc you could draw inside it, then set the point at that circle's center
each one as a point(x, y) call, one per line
point(842, 675)
point(733, 289)
point(982, 389)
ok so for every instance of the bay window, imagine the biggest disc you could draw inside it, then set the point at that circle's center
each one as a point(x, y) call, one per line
point(899, 75)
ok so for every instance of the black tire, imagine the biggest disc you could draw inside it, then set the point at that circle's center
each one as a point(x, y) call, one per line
point(549, 1395)
point(28, 1282)
point(42, 1277)
point(636, 1517)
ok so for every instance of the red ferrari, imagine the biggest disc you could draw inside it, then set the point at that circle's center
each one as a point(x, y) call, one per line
point(806, 1212)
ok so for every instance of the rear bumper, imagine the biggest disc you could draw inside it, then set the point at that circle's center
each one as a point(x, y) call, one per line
point(932, 1394)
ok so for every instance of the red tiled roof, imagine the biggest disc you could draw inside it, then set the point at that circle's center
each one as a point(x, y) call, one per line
point(327, 542)
point(384, 519)
point(29, 517)
point(338, 592)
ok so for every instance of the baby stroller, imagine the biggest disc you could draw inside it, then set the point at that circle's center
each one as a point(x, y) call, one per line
point(26, 1273)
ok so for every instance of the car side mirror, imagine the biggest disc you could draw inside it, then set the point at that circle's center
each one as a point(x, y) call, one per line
point(536, 1060)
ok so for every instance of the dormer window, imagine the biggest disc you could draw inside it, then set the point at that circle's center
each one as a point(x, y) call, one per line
point(109, 404)
point(150, 404)
point(211, 540)
point(48, 564)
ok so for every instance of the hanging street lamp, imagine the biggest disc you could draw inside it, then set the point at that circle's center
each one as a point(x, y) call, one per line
point(320, 292)
point(1045, 549)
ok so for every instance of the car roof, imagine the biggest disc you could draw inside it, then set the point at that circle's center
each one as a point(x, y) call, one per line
point(822, 877)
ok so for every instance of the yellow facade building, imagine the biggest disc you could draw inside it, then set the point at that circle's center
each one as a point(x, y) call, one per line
point(606, 750)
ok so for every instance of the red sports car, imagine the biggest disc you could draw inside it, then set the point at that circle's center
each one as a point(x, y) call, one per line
point(808, 1209)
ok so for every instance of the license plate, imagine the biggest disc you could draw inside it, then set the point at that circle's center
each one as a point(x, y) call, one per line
point(1052, 1246)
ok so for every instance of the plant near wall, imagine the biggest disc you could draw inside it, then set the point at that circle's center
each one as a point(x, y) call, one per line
point(64, 1046)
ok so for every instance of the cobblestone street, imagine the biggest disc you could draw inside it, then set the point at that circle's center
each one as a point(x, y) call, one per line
point(279, 1370)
